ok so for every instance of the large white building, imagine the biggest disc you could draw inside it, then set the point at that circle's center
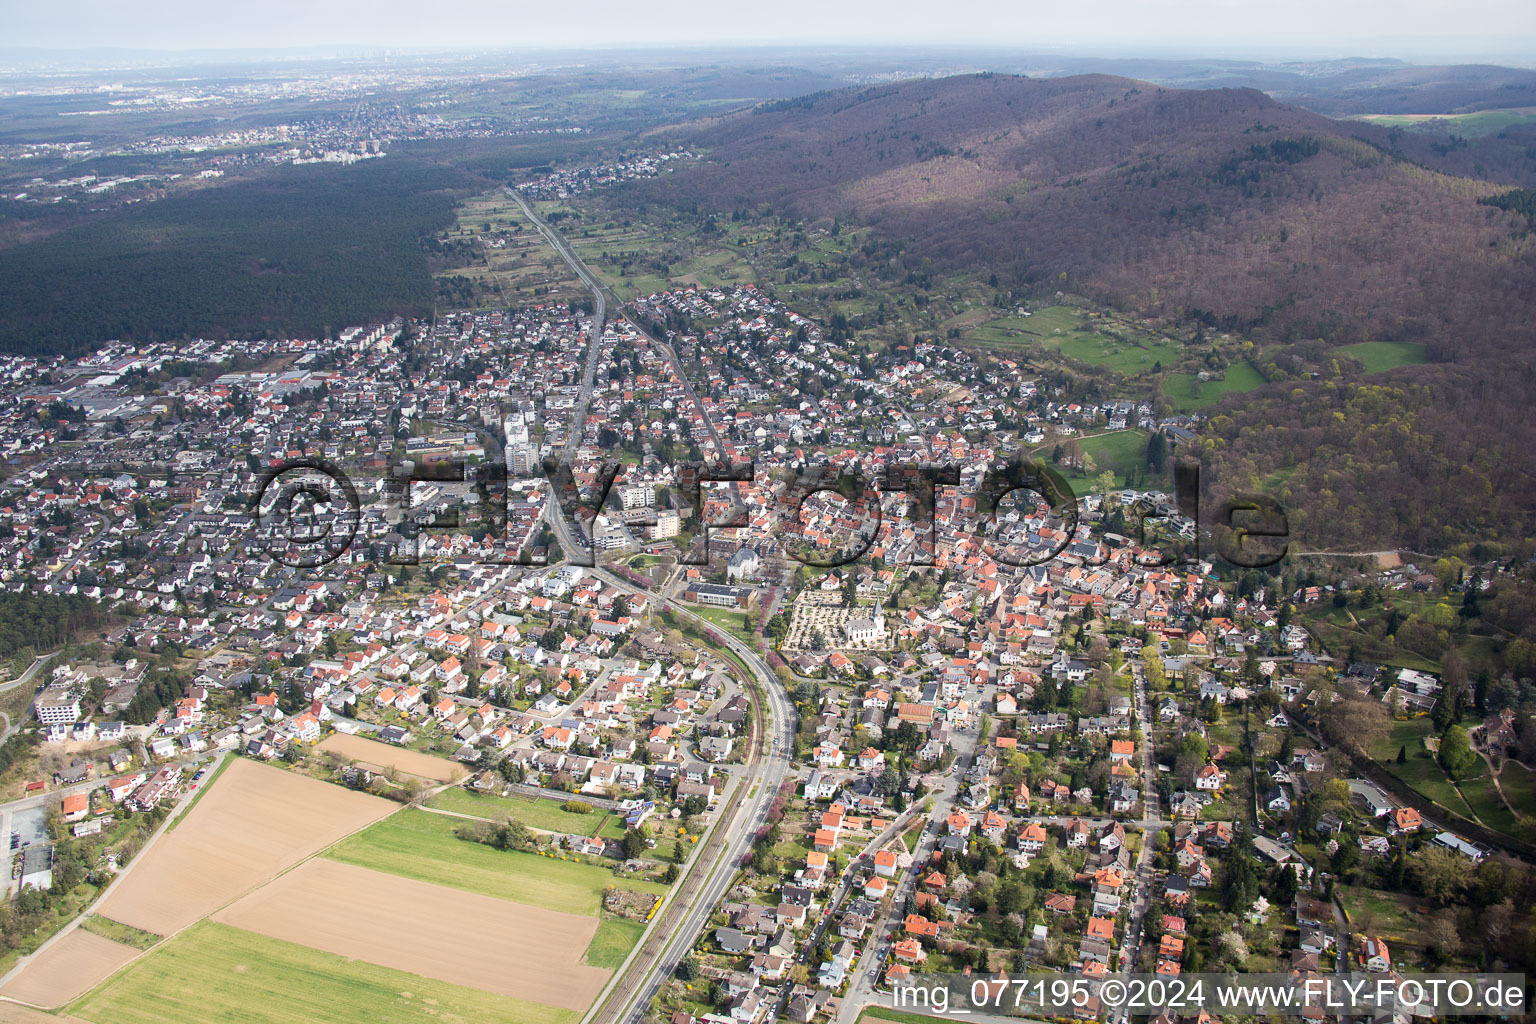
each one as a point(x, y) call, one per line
point(638, 496)
point(57, 707)
point(668, 523)
point(743, 563)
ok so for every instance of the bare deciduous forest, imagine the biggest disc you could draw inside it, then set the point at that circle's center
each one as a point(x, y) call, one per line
point(1219, 206)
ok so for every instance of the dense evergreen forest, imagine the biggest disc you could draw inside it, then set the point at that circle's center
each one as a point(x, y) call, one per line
point(292, 251)
point(41, 622)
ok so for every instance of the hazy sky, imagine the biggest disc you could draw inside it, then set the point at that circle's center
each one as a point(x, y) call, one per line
point(1408, 28)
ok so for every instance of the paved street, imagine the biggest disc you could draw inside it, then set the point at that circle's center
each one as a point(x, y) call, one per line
point(861, 987)
point(657, 957)
point(691, 902)
point(1151, 820)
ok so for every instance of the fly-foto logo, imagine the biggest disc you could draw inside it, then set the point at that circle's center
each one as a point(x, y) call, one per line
point(308, 513)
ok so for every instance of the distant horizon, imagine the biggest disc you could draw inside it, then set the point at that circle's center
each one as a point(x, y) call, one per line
point(1415, 31)
point(107, 57)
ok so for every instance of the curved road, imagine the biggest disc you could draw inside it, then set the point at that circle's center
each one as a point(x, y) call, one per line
point(570, 543)
point(22, 680)
point(600, 293)
point(772, 762)
point(689, 908)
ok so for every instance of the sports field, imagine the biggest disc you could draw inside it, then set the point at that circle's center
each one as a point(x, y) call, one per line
point(256, 822)
point(215, 973)
point(422, 845)
point(459, 937)
point(383, 756)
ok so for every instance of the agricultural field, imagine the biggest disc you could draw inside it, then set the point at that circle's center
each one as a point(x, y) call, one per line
point(1185, 391)
point(258, 821)
point(636, 256)
point(494, 256)
point(66, 969)
point(546, 815)
point(383, 757)
point(422, 845)
point(1481, 122)
point(512, 948)
point(16, 1013)
point(202, 790)
point(216, 973)
point(1380, 356)
point(619, 254)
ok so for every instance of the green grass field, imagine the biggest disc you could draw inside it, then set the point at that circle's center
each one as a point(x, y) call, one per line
point(1520, 786)
point(1124, 357)
point(540, 814)
point(126, 934)
point(1070, 332)
point(1421, 771)
point(1392, 914)
point(1379, 356)
point(792, 848)
point(615, 937)
point(900, 1016)
point(1484, 799)
point(1011, 332)
point(1235, 806)
point(1051, 319)
point(418, 844)
point(1185, 391)
point(1120, 452)
point(725, 618)
point(1482, 122)
point(213, 972)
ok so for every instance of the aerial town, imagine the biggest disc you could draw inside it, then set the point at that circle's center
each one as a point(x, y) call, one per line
point(846, 738)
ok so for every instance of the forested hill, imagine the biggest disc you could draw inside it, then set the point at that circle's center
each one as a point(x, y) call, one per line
point(1222, 206)
point(1267, 217)
point(291, 252)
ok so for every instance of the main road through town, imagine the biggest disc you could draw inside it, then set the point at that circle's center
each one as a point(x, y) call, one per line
point(594, 332)
point(687, 909)
point(563, 530)
point(716, 866)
